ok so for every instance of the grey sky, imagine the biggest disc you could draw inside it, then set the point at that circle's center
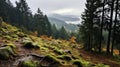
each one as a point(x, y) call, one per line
point(73, 7)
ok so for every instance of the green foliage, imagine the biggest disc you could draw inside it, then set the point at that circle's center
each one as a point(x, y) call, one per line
point(55, 32)
point(11, 45)
point(58, 51)
point(6, 52)
point(52, 59)
point(101, 65)
point(29, 63)
point(29, 22)
point(63, 33)
point(7, 37)
point(89, 29)
point(30, 45)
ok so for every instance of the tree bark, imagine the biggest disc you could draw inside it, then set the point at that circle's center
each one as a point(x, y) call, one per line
point(114, 28)
point(101, 30)
point(110, 27)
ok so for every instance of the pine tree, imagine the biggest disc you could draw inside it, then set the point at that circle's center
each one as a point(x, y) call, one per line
point(23, 7)
point(55, 32)
point(110, 26)
point(48, 26)
point(3, 8)
point(114, 27)
point(63, 33)
point(101, 25)
point(89, 23)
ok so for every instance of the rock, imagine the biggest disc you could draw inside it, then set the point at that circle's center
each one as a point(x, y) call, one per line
point(34, 60)
point(67, 51)
point(77, 63)
point(6, 52)
point(29, 44)
point(53, 62)
point(65, 57)
point(29, 63)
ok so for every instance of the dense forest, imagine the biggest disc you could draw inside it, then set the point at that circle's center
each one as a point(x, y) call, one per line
point(21, 16)
point(29, 39)
point(101, 17)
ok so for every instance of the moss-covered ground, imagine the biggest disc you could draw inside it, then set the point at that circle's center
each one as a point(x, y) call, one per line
point(22, 50)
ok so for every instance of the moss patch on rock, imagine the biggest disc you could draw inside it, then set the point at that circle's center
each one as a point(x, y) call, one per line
point(58, 51)
point(77, 63)
point(6, 52)
point(29, 63)
point(29, 44)
point(52, 60)
point(65, 57)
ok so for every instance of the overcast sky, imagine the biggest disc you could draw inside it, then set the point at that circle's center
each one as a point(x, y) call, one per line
point(72, 7)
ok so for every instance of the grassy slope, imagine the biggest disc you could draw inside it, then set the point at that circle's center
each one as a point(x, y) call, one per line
point(64, 52)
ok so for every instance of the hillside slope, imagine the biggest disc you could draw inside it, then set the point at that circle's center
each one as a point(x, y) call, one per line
point(21, 50)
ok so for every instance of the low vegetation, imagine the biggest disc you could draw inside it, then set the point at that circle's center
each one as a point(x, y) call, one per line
point(40, 51)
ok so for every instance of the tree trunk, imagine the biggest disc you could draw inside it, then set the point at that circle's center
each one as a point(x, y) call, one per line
point(110, 27)
point(114, 28)
point(101, 31)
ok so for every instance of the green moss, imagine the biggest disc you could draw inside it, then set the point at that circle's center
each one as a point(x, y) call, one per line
point(6, 52)
point(58, 51)
point(7, 37)
point(29, 45)
point(52, 59)
point(11, 45)
point(43, 48)
point(20, 34)
point(77, 63)
point(29, 63)
point(14, 36)
point(3, 30)
point(65, 57)
point(101, 65)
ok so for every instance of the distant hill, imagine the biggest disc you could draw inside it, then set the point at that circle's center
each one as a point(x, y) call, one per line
point(60, 21)
point(65, 17)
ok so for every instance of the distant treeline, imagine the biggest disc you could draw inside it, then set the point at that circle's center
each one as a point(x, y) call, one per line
point(22, 17)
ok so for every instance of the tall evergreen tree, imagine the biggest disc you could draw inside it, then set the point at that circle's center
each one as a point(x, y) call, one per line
point(55, 31)
point(63, 33)
point(101, 25)
point(114, 27)
point(23, 7)
point(110, 26)
point(48, 26)
point(89, 23)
